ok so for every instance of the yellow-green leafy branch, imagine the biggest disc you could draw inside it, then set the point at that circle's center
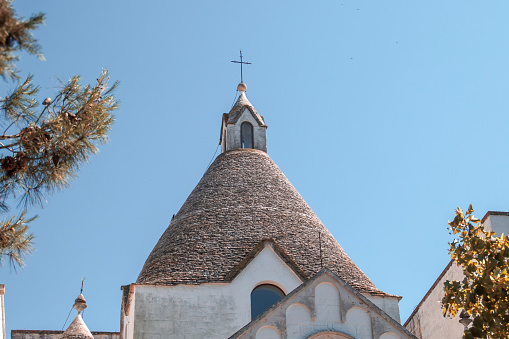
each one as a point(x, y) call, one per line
point(483, 293)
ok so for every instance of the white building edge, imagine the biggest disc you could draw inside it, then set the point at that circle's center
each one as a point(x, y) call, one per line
point(426, 321)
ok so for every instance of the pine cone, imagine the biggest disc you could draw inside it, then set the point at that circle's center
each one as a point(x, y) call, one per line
point(4, 240)
point(32, 138)
point(47, 102)
point(8, 164)
point(27, 137)
point(21, 162)
point(24, 134)
point(10, 173)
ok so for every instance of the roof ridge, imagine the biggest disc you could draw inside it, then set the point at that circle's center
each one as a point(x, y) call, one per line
point(237, 109)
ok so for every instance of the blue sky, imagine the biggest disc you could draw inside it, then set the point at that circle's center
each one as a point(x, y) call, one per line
point(385, 115)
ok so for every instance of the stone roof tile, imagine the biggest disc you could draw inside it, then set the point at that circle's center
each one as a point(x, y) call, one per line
point(77, 330)
point(238, 108)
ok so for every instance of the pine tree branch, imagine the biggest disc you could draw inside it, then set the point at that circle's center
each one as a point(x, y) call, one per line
point(46, 147)
point(15, 240)
point(5, 137)
point(49, 149)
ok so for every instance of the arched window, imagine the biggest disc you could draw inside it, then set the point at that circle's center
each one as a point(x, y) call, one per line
point(263, 297)
point(246, 134)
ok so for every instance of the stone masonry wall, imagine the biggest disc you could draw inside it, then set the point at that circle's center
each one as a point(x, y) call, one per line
point(37, 334)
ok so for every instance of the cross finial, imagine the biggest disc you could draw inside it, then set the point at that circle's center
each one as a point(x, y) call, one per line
point(241, 63)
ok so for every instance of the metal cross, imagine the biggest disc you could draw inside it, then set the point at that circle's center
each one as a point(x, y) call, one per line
point(241, 63)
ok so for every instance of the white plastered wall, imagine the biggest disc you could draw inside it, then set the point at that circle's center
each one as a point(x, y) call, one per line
point(127, 330)
point(213, 310)
point(324, 308)
point(497, 223)
point(427, 322)
point(56, 335)
point(390, 305)
point(259, 133)
point(2, 312)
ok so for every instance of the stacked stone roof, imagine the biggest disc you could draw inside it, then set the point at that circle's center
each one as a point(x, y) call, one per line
point(77, 330)
point(238, 108)
point(242, 200)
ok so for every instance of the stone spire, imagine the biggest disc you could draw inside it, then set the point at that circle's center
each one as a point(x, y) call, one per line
point(77, 329)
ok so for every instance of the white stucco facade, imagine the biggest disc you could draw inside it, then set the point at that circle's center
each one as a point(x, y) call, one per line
point(427, 322)
point(497, 222)
point(56, 335)
point(231, 126)
point(212, 310)
point(390, 305)
point(218, 310)
point(2, 312)
point(233, 133)
point(324, 307)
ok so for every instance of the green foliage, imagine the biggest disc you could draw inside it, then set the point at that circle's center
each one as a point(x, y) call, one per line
point(43, 144)
point(483, 293)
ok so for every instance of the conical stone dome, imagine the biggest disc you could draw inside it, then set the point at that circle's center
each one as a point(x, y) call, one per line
point(243, 199)
point(77, 330)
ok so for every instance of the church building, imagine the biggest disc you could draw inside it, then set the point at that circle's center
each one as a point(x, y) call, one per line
point(246, 257)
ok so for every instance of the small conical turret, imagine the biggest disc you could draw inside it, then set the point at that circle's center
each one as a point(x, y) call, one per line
point(243, 127)
point(78, 329)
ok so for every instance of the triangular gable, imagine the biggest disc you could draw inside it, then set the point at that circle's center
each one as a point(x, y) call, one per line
point(236, 113)
point(278, 250)
point(238, 109)
point(312, 308)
